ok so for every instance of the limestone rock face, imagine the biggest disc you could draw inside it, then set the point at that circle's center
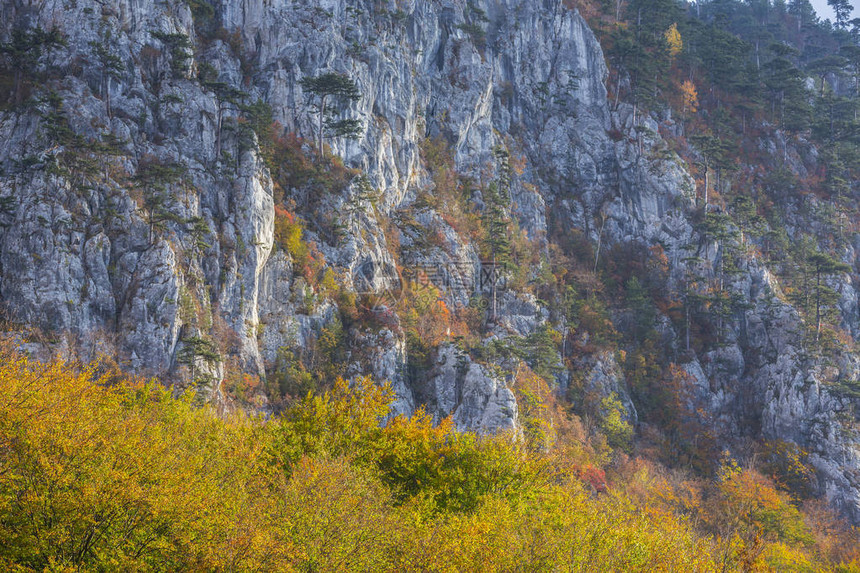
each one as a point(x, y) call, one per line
point(474, 398)
point(605, 378)
point(196, 283)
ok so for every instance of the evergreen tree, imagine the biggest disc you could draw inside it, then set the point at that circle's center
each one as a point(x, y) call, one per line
point(842, 9)
point(790, 107)
point(496, 222)
point(225, 94)
point(194, 349)
point(109, 66)
point(155, 178)
point(803, 12)
point(542, 352)
point(714, 153)
point(823, 266)
point(23, 53)
point(340, 89)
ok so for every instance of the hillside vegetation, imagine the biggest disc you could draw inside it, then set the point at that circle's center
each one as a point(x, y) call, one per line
point(104, 473)
point(250, 206)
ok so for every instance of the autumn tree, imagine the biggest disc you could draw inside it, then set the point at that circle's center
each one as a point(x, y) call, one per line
point(689, 99)
point(674, 42)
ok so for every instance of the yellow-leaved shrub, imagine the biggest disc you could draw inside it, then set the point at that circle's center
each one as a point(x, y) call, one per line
point(110, 474)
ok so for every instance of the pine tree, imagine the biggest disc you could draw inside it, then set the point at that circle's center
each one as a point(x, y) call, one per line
point(155, 178)
point(823, 266)
point(109, 66)
point(714, 153)
point(790, 107)
point(842, 9)
point(225, 94)
point(342, 90)
point(496, 222)
point(23, 52)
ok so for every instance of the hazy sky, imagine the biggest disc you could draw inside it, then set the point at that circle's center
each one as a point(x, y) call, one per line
point(825, 13)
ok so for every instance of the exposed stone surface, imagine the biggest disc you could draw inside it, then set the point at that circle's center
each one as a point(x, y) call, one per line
point(474, 398)
point(76, 256)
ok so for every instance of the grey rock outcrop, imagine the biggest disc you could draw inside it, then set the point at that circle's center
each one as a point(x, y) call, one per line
point(475, 399)
point(81, 252)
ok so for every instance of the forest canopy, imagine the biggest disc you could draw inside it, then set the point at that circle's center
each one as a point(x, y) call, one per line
point(104, 473)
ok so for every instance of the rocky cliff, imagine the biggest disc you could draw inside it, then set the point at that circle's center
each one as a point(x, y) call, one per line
point(139, 208)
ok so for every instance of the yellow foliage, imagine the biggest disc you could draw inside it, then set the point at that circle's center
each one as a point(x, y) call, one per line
point(535, 402)
point(289, 234)
point(689, 96)
point(673, 40)
point(105, 474)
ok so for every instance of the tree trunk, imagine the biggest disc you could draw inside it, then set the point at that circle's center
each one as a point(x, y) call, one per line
point(218, 133)
point(106, 94)
point(817, 306)
point(19, 82)
point(599, 241)
point(493, 278)
point(320, 132)
point(687, 320)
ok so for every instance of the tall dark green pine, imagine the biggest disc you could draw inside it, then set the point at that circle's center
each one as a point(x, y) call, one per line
point(109, 65)
point(155, 178)
point(497, 222)
point(225, 94)
point(790, 106)
point(23, 52)
point(823, 266)
point(842, 9)
point(340, 89)
point(642, 51)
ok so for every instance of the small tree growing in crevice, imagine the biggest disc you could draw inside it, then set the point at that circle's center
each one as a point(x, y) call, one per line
point(109, 67)
point(332, 92)
point(197, 348)
point(154, 178)
point(225, 94)
point(822, 266)
point(23, 52)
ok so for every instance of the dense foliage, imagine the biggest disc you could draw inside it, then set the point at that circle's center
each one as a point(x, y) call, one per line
point(102, 473)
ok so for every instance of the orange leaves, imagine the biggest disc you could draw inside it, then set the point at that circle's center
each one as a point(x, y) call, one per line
point(689, 97)
point(288, 233)
point(289, 236)
point(747, 507)
point(424, 313)
point(536, 408)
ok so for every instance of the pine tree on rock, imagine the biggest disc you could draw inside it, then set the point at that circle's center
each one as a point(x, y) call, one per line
point(155, 177)
point(23, 52)
point(823, 266)
point(340, 89)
